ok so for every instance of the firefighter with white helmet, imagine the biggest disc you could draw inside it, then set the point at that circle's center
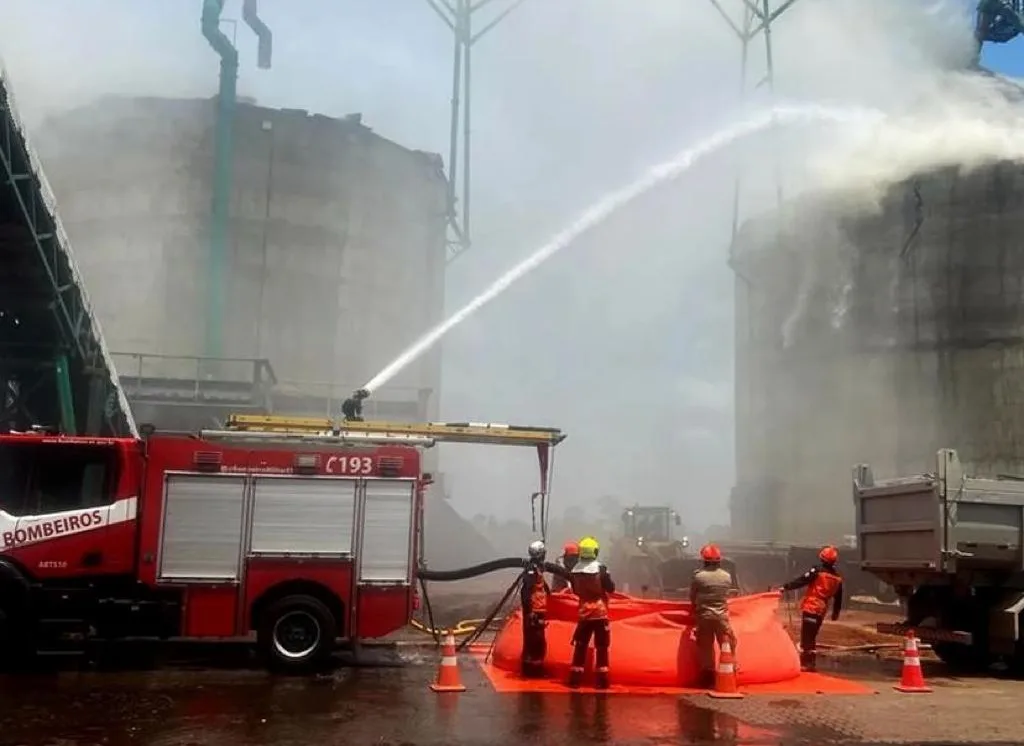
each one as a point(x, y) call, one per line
point(592, 584)
point(534, 597)
point(709, 594)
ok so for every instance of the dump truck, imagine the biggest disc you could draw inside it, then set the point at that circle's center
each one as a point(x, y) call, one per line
point(951, 546)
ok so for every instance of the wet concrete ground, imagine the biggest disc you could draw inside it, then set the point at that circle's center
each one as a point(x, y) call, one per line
point(367, 705)
point(226, 701)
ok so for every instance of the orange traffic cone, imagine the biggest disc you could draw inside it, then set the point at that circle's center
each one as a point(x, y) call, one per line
point(448, 679)
point(725, 676)
point(911, 680)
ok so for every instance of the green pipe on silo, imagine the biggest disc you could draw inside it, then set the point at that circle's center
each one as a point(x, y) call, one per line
point(223, 147)
point(264, 52)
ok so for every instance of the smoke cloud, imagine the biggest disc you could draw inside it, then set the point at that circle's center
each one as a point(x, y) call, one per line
point(626, 339)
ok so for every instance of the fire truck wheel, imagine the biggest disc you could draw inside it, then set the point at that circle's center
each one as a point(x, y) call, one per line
point(16, 640)
point(296, 632)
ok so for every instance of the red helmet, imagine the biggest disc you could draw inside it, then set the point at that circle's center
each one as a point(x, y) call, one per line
point(828, 555)
point(710, 553)
point(571, 549)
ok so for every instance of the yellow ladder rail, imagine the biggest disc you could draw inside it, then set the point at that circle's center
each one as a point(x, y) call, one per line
point(452, 432)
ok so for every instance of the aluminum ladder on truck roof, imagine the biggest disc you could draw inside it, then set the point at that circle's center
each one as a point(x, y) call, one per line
point(435, 432)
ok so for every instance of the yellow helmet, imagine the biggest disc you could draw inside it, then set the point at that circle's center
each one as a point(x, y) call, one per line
point(589, 548)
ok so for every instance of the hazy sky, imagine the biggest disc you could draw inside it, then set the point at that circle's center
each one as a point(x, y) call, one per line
point(625, 340)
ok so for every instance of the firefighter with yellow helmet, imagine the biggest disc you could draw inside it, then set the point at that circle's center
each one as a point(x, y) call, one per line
point(592, 585)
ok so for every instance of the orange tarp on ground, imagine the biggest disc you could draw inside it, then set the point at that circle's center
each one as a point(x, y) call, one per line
point(653, 644)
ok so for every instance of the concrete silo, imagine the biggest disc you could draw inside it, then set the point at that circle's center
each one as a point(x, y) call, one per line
point(335, 262)
point(336, 252)
point(879, 336)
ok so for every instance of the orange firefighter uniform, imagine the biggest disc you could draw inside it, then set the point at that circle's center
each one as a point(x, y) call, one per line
point(709, 594)
point(592, 584)
point(534, 599)
point(823, 584)
point(570, 556)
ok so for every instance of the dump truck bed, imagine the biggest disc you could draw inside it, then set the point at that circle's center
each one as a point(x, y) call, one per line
point(940, 523)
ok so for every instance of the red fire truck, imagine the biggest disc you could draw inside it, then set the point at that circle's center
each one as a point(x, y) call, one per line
point(292, 528)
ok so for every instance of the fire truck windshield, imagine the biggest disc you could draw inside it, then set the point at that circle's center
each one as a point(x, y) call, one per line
point(40, 478)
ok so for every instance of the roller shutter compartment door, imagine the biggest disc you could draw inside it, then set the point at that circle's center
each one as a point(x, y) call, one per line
point(202, 529)
point(387, 532)
point(303, 515)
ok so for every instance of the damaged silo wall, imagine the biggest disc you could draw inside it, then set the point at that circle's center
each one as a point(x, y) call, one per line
point(876, 333)
point(336, 258)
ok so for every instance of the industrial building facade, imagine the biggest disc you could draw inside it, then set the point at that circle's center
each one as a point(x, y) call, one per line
point(336, 248)
point(878, 334)
point(335, 263)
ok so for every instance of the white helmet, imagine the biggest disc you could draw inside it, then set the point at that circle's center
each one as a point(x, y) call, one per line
point(537, 550)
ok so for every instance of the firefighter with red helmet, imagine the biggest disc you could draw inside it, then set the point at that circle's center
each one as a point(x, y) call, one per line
point(824, 584)
point(570, 556)
point(709, 593)
point(534, 597)
point(592, 584)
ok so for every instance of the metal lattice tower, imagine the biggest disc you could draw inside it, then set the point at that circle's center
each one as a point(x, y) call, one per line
point(758, 17)
point(755, 25)
point(998, 21)
point(459, 17)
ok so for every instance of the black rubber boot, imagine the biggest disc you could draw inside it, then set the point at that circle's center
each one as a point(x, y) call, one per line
point(602, 680)
point(533, 670)
point(808, 662)
point(574, 679)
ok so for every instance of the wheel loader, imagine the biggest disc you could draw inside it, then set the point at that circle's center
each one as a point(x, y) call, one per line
point(652, 558)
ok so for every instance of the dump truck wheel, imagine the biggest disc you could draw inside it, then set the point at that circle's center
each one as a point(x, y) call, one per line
point(962, 658)
point(296, 633)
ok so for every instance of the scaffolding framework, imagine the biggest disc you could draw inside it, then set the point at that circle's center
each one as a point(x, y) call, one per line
point(459, 16)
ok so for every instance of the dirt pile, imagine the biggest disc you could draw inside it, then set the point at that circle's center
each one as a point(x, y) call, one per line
point(854, 629)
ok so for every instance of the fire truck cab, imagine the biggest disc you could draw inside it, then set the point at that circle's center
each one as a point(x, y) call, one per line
point(301, 535)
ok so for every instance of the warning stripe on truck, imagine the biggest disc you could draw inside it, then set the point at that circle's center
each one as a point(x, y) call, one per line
point(925, 634)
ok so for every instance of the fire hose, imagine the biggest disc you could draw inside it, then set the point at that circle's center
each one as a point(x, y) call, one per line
point(473, 628)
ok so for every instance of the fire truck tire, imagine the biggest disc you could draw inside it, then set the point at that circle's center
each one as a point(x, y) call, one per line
point(17, 643)
point(296, 633)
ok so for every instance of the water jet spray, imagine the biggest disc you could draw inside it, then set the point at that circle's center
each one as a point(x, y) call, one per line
point(616, 200)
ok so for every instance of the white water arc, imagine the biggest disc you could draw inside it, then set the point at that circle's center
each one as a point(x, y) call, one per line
point(611, 203)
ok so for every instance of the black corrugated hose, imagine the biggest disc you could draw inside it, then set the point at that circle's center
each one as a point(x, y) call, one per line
point(470, 627)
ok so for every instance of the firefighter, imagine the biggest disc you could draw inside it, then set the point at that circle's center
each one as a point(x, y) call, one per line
point(352, 408)
point(570, 556)
point(535, 593)
point(592, 584)
point(823, 583)
point(709, 592)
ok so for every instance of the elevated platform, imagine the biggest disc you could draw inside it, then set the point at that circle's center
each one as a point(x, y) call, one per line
point(55, 369)
point(185, 392)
